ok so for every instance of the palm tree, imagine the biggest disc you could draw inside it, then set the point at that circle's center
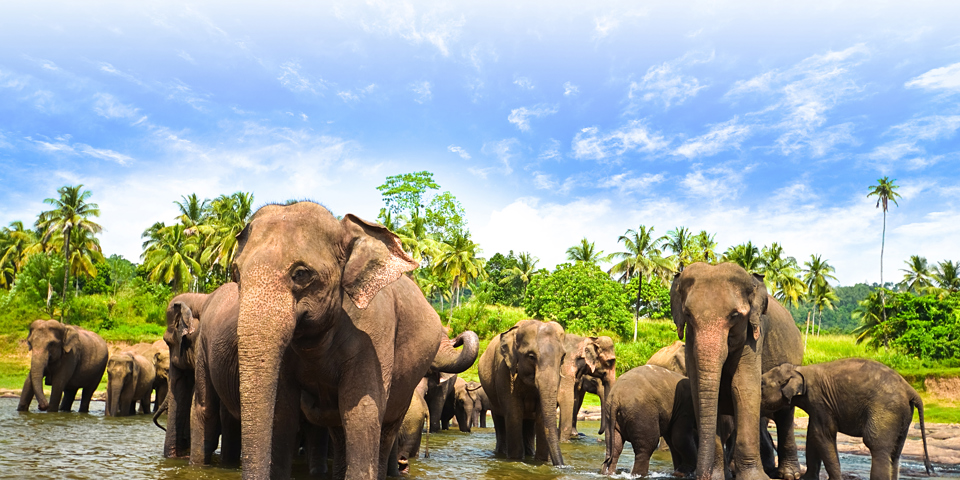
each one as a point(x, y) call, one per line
point(15, 247)
point(886, 191)
point(680, 242)
point(642, 258)
point(84, 252)
point(947, 276)
point(193, 211)
point(746, 255)
point(71, 211)
point(230, 213)
point(871, 326)
point(916, 276)
point(585, 251)
point(781, 274)
point(458, 260)
point(823, 298)
point(526, 266)
point(704, 248)
point(170, 258)
point(816, 275)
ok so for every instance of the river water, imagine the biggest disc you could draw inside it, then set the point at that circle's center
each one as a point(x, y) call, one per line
point(91, 446)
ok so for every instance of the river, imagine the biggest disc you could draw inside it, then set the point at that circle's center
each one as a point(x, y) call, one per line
point(91, 446)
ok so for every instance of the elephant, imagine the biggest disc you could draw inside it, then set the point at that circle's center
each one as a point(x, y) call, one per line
point(584, 357)
point(71, 359)
point(520, 372)
point(481, 404)
point(672, 357)
point(183, 321)
point(159, 354)
point(646, 403)
point(440, 399)
point(130, 379)
point(734, 331)
point(411, 431)
point(466, 404)
point(854, 396)
point(326, 310)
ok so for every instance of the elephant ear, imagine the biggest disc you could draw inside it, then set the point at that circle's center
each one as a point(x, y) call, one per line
point(678, 293)
point(185, 325)
point(508, 350)
point(374, 259)
point(588, 351)
point(758, 304)
point(71, 339)
point(795, 384)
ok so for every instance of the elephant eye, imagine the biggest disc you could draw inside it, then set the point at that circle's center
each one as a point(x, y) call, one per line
point(302, 276)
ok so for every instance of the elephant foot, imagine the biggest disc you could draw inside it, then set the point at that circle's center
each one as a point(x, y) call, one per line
point(790, 470)
point(752, 473)
point(43, 408)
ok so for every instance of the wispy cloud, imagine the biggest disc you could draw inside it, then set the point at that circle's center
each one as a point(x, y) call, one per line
point(627, 182)
point(430, 25)
point(720, 137)
point(521, 116)
point(505, 151)
point(666, 84)
point(604, 25)
point(186, 56)
point(291, 79)
point(62, 145)
point(570, 89)
point(905, 148)
point(524, 83)
point(108, 106)
point(591, 144)
point(356, 94)
point(715, 183)
point(945, 79)
point(422, 89)
point(459, 151)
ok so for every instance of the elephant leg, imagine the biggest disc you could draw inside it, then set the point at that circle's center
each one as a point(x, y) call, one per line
point(500, 430)
point(577, 403)
point(388, 449)
point(483, 418)
point(513, 435)
point(361, 418)
point(204, 419)
point(145, 402)
point(641, 457)
point(885, 445)
point(683, 442)
point(529, 437)
point(85, 396)
point(788, 464)
point(176, 443)
point(338, 441)
point(26, 396)
point(615, 443)
point(229, 439)
point(566, 400)
point(285, 423)
point(69, 395)
point(821, 448)
point(317, 440)
point(767, 450)
point(745, 387)
point(56, 394)
point(542, 452)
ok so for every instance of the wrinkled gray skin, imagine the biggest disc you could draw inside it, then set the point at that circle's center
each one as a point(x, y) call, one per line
point(440, 399)
point(130, 379)
point(647, 403)
point(481, 406)
point(520, 372)
point(159, 354)
point(465, 405)
point(70, 358)
point(326, 310)
point(853, 396)
point(585, 357)
point(183, 325)
point(411, 431)
point(672, 357)
point(734, 331)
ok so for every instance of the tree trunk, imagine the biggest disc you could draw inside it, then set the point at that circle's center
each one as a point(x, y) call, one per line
point(807, 332)
point(66, 270)
point(883, 241)
point(636, 310)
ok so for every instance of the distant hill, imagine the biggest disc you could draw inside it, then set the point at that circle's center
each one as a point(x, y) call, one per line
point(838, 320)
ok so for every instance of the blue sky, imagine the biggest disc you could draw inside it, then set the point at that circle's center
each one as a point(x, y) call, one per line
point(550, 121)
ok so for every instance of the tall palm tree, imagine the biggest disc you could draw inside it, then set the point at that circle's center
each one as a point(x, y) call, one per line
point(170, 258)
point(585, 251)
point(823, 298)
point(193, 211)
point(680, 242)
point(916, 276)
point(947, 276)
point(747, 255)
point(781, 274)
point(458, 260)
point(871, 326)
point(816, 275)
point(526, 266)
point(886, 191)
point(642, 257)
point(15, 247)
point(85, 251)
point(704, 248)
point(230, 213)
point(71, 211)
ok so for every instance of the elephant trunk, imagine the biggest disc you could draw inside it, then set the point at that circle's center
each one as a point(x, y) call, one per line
point(606, 384)
point(709, 356)
point(37, 365)
point(160, 410)
point(115, 394)
point(265, 329)
point(449, 360)
point(549, 386)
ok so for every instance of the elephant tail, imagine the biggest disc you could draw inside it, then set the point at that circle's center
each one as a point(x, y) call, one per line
point(426, 440)
point(156, 415)
point(916, 401)
point(609, 416)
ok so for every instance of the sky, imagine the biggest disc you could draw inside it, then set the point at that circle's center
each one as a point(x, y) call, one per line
point(549, 121)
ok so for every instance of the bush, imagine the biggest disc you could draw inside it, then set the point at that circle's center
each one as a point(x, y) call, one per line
point(485, 320)
point(651, 336)
point(582, 298)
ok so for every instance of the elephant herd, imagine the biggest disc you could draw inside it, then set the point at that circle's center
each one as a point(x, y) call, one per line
point(322, 344)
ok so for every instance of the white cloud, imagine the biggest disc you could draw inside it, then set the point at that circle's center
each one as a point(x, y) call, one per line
point(521, 116)
point(291, 79)
point(666, 84)
point(108, 106)
point(626, 182)
point(570, 89)
point(716, 183)
point(104, 154)
point(434, 26)
point(459, 151)
point(943, 78)
point(186, 56)
point(590, 144)
point(504, 150)
point(904, 149)
point(13, 81)
point(603, 26)
point(524, 83)
point(357, 94)
point(62, 146)
point(720, 137)
point(422, 89)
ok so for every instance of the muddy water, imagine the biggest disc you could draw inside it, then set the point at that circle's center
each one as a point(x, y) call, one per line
point(71, 445)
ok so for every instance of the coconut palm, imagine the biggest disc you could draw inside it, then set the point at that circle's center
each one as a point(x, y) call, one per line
point(781, 275)
point(642, 257)
point(680, 242)
point(872, 326)
point(886, 191)
point(71, 211)
point(193, 211)
point(170, 258)
point(586, 251)
point(458, 260)
point(85, 251)
point(230, 214)
point(16, 243)
point(946, 275)
point(816, 276)
point(523, 272)
point(916, 276)
point(747, 255)
point(704, 248)
point(823, 298)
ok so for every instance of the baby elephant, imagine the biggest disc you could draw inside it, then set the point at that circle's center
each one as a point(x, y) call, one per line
point(130, 379)
point(854, 396)
point(644, 404)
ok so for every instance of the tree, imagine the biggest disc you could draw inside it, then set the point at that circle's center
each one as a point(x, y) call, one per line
point(703, 248)
point(585, 251)
point(781, 275)
point(193, 211)
point(746, 255)
point(641, 258)
point(816, 275)
point(869, 314)
point(947, 276)
point(886, 191)
point(71, 211)
point(522, 272)
point(916, 276)
point(581, 297)
point(404, 192)
point(230, 215)
point(680, 242)
point(458, 260)
point(170, 259)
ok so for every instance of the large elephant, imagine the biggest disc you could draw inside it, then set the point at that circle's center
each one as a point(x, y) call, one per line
point(647, 403)
point(672, 357)
point(159, 354)
point(130, 379)
point(520, 372)
point(183, 322)
point(734, 331)
point(584, 357)
point(325, 309)
point(855, 396)
point(71, 359)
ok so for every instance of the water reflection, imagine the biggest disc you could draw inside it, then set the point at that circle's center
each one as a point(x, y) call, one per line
point(91, 446)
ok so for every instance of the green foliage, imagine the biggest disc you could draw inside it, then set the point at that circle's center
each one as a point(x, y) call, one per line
point(507, 290)
point(404, 192)
point(582, 298)
point(654, 298)
point(485, 320)
point(651, 336)
point(840, 319)
point(445, 217)
point(925, 326)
